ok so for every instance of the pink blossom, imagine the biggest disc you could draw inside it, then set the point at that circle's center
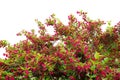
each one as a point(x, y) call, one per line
point(69, 17)
point(44, 67)
point(85, 50)
point(103, 73)
point(79, 68)
point(26, 72)
point(72, 78)
point(65, 62)
point(71, 60)
point(87, 66)
point(6, 77)
point(15, 51)
point(98, 78)
point(11, 78)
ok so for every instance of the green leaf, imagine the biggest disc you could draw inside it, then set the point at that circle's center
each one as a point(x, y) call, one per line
point(33, 78)
point(100, 47)
point(47, 77)
point(118, 69)
point(105, 60)
point(22, 68)
point(93, 76)
point(94, 62)
point(97, 55)
point(51, 67)
point(5, 73)
point(93, 67)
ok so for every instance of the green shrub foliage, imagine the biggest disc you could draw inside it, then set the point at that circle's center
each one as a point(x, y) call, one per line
point(84, 52)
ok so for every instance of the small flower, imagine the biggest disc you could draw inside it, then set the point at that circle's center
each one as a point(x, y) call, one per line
point(4, 54)
point(26, 76)
point(72, 78)
point(69, 17)
point(79, 68)
point(60, 55)
point(15, 51)
point(28, 51)
point(6, 77)
point(79, 24)
point(87, 66)
point(117, 76)
point(108, 70)
point(103, 73)
point(65, 62)
point(18, 34)
point(71, 60)
point(85, 50)
point(26, 72)
point(51, 72)
point(95, 71)
point(65, 43)
point(97, 78)
point(44, 67)
point(11, 78)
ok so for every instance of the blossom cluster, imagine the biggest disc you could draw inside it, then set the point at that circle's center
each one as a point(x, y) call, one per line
point(84, 52)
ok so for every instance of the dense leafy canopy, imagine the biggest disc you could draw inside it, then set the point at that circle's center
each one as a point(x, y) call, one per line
point(84, 52)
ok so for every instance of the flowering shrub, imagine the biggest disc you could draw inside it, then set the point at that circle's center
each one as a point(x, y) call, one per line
point(84, 52)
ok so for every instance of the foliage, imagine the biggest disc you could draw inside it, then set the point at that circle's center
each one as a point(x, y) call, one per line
point(83, 53)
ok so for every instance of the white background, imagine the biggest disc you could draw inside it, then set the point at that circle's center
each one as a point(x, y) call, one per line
point(16, 15)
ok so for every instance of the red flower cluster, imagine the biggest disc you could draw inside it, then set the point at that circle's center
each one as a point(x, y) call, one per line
point(84, 52)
